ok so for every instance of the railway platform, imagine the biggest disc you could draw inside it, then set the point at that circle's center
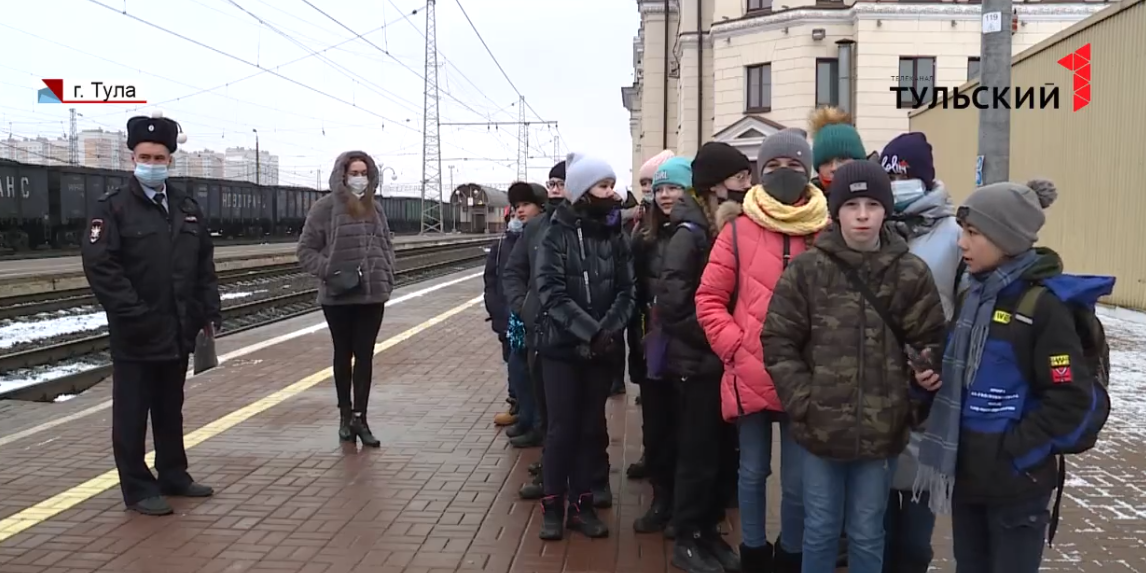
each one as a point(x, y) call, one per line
point(438, 496)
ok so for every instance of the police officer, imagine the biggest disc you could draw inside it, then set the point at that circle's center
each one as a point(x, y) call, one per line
point(150, 262)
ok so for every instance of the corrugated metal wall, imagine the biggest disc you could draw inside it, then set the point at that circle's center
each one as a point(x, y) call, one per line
point(1096, 156)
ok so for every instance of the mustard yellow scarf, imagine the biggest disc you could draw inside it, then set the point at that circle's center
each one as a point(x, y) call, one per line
point(796, 220)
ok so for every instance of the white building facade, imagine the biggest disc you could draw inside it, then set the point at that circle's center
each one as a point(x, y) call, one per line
point(739, 70)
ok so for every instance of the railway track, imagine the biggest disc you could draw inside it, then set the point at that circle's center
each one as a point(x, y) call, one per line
point(36, 303)
point(415, 264)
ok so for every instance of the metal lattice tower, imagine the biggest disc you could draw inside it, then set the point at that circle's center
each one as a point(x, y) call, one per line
point(431, 132)
point(522, 141)
point(73, 141)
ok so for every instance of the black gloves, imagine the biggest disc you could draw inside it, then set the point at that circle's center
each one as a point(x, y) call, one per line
point(602, 342)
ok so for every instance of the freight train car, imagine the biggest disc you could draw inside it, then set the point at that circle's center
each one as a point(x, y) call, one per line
point(480, 208)
point(47, 207)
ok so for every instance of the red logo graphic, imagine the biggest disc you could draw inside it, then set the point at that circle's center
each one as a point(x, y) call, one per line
point(1079, 63)
point(1062, 375)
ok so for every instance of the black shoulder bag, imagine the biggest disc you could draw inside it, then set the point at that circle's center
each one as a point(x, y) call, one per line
point(347, 278)
point(859, 285)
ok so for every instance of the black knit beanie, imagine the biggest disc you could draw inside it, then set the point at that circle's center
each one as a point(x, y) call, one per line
point(558, 171)
point(860, 179)
point(715, 162)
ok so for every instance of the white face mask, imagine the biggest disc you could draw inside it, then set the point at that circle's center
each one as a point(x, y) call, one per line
point(515, 225)
point(907, 191)
point(357, 185)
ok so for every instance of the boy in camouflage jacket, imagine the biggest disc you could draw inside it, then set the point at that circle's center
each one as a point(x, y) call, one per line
point(842, 371)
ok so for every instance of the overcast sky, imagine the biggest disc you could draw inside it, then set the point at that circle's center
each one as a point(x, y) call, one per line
point(569, 60)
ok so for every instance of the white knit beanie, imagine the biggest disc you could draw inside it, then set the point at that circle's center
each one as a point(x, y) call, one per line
point(582, 172)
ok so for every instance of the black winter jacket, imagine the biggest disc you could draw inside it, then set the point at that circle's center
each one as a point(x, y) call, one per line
point(495, 303)
point(648, 252)
point(517, 284)
point(689, 354)
point(585, 284)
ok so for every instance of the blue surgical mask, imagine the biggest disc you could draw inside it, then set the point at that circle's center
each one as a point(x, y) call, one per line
point(150, 175)
point(906, 192)
point(515, 225)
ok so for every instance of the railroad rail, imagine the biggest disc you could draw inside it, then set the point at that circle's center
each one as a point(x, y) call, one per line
point(414, 264)
point(35, 303)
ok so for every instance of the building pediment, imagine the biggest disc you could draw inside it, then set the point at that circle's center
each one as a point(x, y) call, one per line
point(747, 133)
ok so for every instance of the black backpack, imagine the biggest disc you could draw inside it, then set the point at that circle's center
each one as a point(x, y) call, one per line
point(1096, 356)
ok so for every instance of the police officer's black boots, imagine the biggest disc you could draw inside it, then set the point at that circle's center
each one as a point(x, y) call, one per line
point(154, 506)
point(582, 516)
point(345, 434)
point(552, 518)
point(362, 430)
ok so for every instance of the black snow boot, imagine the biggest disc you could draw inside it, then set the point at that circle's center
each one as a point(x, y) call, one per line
point(532, 489)
point(603, 497)
point(756, 559)
point(689, 554)
point(716, 546)
point(785, 562)
point(637, 469)
point(534, 468)
point(345, 434)
point(659, 515)
point(552, 518)
point(582, 516)
point(361, 429)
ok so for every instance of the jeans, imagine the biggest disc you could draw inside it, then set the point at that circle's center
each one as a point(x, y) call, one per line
point(574, 445)
point(908, 525)
point(839, 493)
point(520, 385)
point(354, 331)
point(755, 468)
point(999, 538)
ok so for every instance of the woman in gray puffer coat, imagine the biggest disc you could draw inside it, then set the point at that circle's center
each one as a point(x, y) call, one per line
point(346, 244)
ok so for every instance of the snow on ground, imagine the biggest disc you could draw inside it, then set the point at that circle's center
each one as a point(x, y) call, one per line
point(50, 325)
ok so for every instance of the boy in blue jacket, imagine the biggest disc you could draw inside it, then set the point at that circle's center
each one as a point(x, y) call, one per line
point(1023, 383)
point(526, 200)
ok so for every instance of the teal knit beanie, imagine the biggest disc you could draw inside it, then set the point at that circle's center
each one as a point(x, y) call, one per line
point(834, 137)
point(674, 171)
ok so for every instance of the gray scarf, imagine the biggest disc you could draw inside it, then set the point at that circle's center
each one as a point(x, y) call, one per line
point(939, 445)
point(919, 217)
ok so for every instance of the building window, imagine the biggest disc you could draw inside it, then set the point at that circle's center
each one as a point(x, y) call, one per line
point(759, 5)
point(759, 96)
point(972, 68)
point(827, 82)
point(916, 74)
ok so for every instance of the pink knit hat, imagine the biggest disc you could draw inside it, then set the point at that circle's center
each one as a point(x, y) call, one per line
point(650, 167)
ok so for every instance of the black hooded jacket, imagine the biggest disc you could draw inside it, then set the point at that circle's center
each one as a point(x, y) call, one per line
point(584, 282)
point(674, 293)
point(518, 286)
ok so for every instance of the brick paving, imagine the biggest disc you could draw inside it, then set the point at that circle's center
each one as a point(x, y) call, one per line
point(440, 495)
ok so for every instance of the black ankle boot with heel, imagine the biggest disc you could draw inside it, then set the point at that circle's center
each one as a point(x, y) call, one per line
point(361, 429)
point(345, 434)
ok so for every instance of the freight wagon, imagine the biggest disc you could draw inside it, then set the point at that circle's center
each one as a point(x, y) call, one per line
point(47, 207)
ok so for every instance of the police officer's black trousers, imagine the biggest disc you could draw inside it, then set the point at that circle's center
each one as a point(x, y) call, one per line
point(706, 456)
point(137, 389)
point(354, 331)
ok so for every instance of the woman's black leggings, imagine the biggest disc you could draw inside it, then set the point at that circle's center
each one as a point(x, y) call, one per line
point(354, 330)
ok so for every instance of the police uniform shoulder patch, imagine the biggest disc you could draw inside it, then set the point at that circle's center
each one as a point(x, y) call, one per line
point(95, 230)
point(109, 194)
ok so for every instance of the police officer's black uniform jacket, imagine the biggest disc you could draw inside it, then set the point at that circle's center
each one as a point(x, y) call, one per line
point(153, 273)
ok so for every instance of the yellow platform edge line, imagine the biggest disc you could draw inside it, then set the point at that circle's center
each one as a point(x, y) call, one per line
point(70, 498)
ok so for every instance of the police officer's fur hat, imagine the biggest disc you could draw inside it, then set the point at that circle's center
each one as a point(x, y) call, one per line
point(155, 129)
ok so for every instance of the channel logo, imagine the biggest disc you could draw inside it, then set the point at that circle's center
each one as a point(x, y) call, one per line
point(1079, 63)
point(89, 91)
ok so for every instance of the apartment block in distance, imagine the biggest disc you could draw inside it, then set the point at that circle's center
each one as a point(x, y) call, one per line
point(739, 70)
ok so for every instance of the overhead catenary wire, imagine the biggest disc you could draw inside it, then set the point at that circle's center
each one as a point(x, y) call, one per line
point(252, 64)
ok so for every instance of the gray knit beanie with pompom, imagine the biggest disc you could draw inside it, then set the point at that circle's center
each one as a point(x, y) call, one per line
point(1009, 214)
